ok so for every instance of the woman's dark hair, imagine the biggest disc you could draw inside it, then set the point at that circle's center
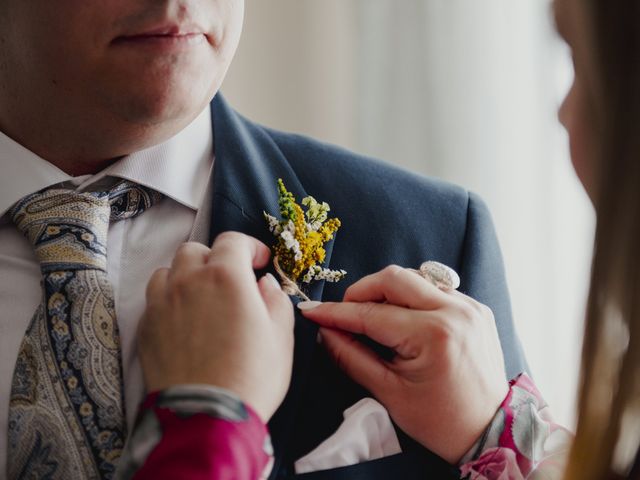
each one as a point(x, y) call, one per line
point(608, 431)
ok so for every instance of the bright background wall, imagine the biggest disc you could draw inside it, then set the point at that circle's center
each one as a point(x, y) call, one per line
point(464, 90)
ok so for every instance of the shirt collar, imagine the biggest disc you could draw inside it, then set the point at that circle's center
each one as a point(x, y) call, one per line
point(178, 168)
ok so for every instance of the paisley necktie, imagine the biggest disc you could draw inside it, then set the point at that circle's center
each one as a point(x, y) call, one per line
point(66, 412)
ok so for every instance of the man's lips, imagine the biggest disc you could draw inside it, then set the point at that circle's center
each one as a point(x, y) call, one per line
point(165, 34)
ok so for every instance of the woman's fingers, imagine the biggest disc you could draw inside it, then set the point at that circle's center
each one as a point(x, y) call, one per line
point(239, 250)
point(357, 361)
point(277, 302)
point(244, 329)
point(446, 344)
point(386, 324)
point(230, 248)
point(398, 286)
point(156, 288)
point(188, 256)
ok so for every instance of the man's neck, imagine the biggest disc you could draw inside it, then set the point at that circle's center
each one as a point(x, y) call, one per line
point(72, 162)
point(78, 168)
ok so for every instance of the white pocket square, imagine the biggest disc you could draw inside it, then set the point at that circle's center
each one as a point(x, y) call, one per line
point(365, 434)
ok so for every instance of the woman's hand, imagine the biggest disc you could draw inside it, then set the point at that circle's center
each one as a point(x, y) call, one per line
point(447, 380)
point(209, 322)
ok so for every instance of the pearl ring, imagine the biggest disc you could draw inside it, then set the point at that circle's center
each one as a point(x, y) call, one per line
point(442, 276)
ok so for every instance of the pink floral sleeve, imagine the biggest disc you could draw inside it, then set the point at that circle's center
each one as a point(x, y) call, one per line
point(521, 442)
point(196, 432)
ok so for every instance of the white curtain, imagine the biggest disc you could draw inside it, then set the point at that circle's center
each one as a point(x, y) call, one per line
point(464, 90)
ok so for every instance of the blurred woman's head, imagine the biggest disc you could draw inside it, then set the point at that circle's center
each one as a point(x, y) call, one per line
point(602, 116)
point(578, 113)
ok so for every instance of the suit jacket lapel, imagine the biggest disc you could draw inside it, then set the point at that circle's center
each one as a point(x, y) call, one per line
point(247, 166)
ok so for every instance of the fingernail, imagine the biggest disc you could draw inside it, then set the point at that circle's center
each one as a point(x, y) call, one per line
point(319, 338)
point(272, 280)
point(308, 305)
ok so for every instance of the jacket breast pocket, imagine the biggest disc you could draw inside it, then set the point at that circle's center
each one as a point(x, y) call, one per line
point(405, 466)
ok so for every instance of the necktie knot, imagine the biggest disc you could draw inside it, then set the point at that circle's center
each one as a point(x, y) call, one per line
point(68, 229)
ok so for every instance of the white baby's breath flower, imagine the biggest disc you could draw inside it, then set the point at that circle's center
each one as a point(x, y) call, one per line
point(274, 224)
point(290, 227)
point(332, 275)
point(316, 213)
point(289, 239)
point(311, 274)
point(292, 244)
point(319, 273)
point(314, 226)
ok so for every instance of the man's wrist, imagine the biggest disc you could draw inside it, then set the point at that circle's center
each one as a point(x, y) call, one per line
point(188, 399)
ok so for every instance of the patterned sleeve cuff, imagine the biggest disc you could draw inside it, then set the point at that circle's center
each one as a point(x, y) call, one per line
point(520, 439)
point(196, 431)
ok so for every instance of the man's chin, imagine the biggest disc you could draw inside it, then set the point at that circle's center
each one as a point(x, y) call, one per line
point(158, 88)
point(160, 111)
point(162, 104)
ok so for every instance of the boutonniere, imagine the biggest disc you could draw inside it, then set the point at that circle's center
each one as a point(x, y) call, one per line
point(298, 252)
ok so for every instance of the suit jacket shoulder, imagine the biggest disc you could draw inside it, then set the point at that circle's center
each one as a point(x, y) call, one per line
point(338, 172)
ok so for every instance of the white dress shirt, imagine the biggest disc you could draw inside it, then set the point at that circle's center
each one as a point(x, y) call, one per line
point(179, 168)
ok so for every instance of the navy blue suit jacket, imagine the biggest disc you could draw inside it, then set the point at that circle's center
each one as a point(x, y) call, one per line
point(389, 216)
